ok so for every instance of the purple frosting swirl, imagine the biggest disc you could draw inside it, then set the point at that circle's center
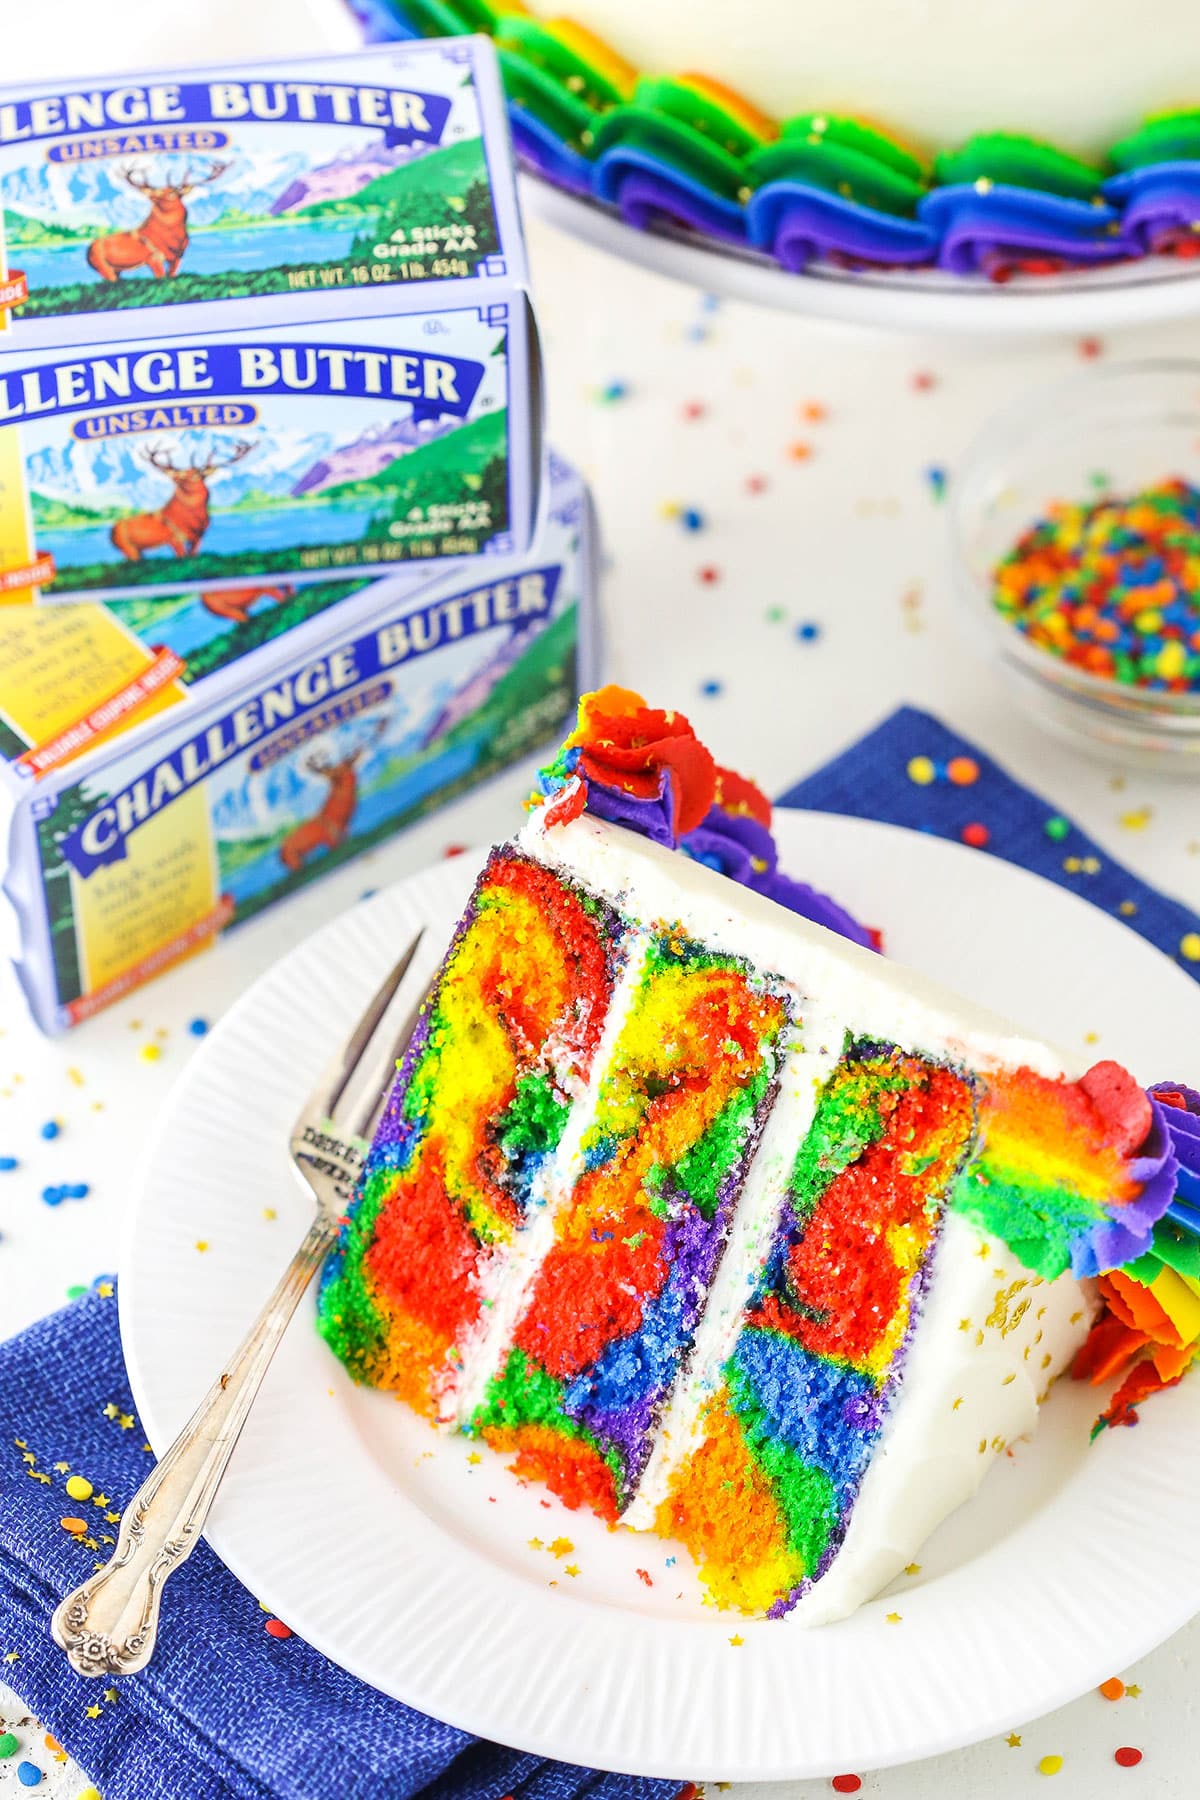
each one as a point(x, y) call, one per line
point(1183, 1127)
point(732, 843)
point(1129, 1229)
point(744, 850)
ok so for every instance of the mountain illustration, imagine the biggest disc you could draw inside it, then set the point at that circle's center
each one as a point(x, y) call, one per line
point(97, 475)
point(437, 468)
point(368, 455)
point(421, 182)
point(344, 177)
point(92, 195)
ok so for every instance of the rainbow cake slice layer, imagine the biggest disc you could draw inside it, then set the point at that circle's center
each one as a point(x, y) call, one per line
point(713, 1221)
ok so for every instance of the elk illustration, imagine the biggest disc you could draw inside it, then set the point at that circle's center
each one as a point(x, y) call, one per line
point(326, 829)
point(161, 238)
point(183, 521)
point(234, 603)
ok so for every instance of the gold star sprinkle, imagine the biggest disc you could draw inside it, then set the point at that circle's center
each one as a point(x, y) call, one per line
point(105, 1290)
point(474, 1457)
point(893, 1618)
point(571, 1568)
point(110, 1411)
point(29, 1457)
point(62, 1468)
point(536, 1544)
point(984, 1251)
point(91, 1712)
point(125, 1421)
point(1014, 1740)
point(13, 1656)
point(202, 1244)
point(101, 1500)
point(964, 1324)
point(110, 1694)
point(737, 1641)
point(1133, 1690)
point(912, 1568)
point(561, 1547)
point(269, 1212)
point(957, 1404)
point(113, 1518)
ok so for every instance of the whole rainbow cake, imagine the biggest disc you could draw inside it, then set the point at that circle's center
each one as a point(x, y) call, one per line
point(1007, 137)
point(719, 1224)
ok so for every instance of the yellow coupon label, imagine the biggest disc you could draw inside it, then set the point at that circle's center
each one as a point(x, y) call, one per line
point(59, 664)
point(17, 549)
point(165, 883)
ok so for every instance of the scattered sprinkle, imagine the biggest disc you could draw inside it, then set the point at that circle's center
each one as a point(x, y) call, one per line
point(1090, 347)
point(756, 484)
point(1050, 1765)
point(737, 1640)
point(691, 518)
point(276, 1628)
point(561, 1546)
point(643, 1576)
point(924, 381)
point(51, 1129)
point(694, 409)
point(963, 771)
point(922, 770)
point(8, 1745)
point(198, 1027)
point(8, 1163)
point(799, 451)
point(893, 1618)
point(614, 390)
point(454, 850)
point(814, 412)
point(1056, 828)
point(202, 1244)
point(1127, 1756)
point(1013, 1740)
point(1189, 946)
point(708, 574)
point(75, 1526)
point(975, 834)
point(912, 1568)
point(79, 1487)
point(1113, 1688)
point(710, 688)
point(808, 632)
point(28, 1774)
point(150, 1052)
point(846, 1784)
point(936, 477)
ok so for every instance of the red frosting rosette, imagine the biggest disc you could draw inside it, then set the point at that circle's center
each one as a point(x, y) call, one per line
point(638, 750)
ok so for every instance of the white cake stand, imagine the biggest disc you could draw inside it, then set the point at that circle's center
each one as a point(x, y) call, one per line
point(926, 302)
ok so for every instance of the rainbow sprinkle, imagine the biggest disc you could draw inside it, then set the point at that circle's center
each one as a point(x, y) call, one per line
point(1112, 586)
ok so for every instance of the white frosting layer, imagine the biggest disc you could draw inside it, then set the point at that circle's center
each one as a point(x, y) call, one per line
point(1080, 73)
point(962, 1385)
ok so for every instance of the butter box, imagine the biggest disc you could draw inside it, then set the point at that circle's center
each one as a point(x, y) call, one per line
point(183, 196)
point(322, 364)
point(189, 813)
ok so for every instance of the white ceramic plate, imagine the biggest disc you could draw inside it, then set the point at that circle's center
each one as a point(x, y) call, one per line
point(1150, 291)
point(410, 1563)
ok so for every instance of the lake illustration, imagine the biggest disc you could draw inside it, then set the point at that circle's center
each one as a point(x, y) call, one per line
point(212, 250)
point(228, 534)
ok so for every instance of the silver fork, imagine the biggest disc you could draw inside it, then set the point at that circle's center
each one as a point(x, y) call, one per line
point(109, 1625)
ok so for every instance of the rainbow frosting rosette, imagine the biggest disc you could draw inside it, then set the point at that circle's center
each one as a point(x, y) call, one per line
point(714, 1222)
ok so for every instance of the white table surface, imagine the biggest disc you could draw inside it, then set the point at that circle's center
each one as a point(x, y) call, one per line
point(807, 451)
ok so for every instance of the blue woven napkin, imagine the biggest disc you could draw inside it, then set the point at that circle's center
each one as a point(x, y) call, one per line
point(224, 1709)
point(874, 779)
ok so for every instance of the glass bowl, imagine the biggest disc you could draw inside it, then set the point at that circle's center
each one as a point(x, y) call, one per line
point(1117, 430)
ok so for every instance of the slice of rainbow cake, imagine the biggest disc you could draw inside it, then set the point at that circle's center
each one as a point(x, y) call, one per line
point(711, 1219)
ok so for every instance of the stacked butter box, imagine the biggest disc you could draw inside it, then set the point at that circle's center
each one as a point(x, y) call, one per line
point(283, 561)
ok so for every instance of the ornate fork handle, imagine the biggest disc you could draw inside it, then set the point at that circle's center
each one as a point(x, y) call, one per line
point(109, 1625)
